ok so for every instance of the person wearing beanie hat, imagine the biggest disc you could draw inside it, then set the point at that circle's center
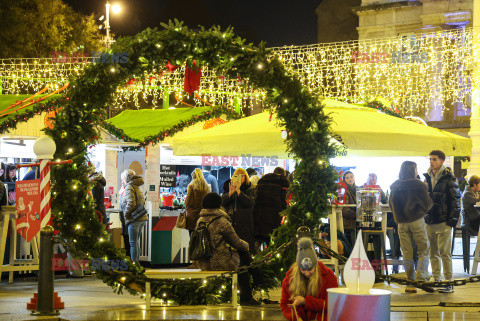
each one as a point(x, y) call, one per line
point(306, 256)
point(226, 243)
point(304, 289)
point(212, 201)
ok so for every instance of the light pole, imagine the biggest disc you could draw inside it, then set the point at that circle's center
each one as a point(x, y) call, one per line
point(115, 9)
point(107, 24)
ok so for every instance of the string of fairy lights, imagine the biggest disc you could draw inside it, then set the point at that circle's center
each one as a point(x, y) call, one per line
point(416, 73)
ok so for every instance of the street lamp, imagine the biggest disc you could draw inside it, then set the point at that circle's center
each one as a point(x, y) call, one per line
point(115, 9)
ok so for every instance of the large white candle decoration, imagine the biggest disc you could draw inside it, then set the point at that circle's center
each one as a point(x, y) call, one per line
point(358, 273)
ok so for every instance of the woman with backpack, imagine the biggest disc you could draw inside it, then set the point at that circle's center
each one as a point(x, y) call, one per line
point(225, 242)
point(132, 198)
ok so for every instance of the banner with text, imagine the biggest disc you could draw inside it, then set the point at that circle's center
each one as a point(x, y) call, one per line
point(28, 208)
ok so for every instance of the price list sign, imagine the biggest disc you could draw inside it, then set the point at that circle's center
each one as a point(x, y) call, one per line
point(168, 175)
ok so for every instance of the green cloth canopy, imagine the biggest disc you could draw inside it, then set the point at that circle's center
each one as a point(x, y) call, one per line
point(140, 124)
point(364, 131)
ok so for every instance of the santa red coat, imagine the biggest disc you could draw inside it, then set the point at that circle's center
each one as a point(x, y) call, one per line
point(312, 310)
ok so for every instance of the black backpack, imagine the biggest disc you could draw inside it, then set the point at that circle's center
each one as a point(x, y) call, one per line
point(200, 246)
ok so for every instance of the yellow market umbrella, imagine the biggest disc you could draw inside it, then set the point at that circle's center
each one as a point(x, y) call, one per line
point(364, 131)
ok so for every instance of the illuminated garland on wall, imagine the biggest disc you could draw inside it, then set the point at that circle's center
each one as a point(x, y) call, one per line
point(415, 73)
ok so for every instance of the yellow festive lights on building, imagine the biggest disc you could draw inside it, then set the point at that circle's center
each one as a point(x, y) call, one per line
point(416, 73)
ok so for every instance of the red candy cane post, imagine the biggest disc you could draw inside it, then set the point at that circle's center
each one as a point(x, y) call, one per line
point(45, 207)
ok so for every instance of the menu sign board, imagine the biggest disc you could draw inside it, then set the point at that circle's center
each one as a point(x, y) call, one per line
point(168, 175)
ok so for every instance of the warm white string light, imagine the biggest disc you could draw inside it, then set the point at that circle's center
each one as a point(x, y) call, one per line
point(413, 72)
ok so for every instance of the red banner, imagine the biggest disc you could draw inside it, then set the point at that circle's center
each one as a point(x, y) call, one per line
point(28, 208)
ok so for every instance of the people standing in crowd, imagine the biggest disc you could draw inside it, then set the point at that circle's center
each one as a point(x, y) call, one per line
point(470, 215)
point(372, 181)
point(253, 176)
point(443, 216)
point(270, 200)
point(225, 242)
point(304, 289)
point(2, 172)
point(32, 174)
point(238, 202)
point(10, 179)
point(3, 195)
point(98, 193)
point(132, 198)
point(350, 213)
point(393, 237)
point(196, 191)
point(210, 179)
point(126, 241)
point(410, 202)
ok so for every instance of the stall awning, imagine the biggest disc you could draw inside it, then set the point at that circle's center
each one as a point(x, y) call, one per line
point(140, 124)
point(30, 129)
point(364, 131)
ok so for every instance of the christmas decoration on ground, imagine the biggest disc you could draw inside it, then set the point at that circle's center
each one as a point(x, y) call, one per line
point(76, 127)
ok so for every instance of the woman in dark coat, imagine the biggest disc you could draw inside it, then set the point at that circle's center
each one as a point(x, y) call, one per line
point(350, 213)
point(470, 215)
point(270, 200)
point(226, 243)
point(98, 193)
point(238, 202)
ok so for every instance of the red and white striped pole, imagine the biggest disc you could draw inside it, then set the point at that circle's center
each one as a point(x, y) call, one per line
point(45, 148)
point(45, 194)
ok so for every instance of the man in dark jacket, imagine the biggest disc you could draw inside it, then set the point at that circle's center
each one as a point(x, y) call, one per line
point(410, 203)
point(98, 193)
point(443, 190)
point(210, 179)
point(270, 200)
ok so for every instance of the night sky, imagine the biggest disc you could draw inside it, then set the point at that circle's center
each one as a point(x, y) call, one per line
point(280, 22)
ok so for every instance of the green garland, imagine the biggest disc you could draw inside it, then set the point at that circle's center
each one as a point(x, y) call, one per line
point(76, 127)
point(379, 106)
point(11, 121)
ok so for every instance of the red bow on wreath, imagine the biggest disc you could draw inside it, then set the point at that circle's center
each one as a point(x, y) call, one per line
point(192, 78)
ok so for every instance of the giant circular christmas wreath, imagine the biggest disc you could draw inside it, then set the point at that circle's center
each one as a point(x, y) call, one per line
point(81, 112)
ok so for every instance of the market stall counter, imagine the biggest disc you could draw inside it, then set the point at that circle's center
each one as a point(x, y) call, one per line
point(161, 241)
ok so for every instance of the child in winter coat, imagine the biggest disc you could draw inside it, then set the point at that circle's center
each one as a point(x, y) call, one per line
point(304, 289)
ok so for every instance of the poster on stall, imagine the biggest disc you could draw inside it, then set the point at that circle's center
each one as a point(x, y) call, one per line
point(168, 175)
point(28, 208)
